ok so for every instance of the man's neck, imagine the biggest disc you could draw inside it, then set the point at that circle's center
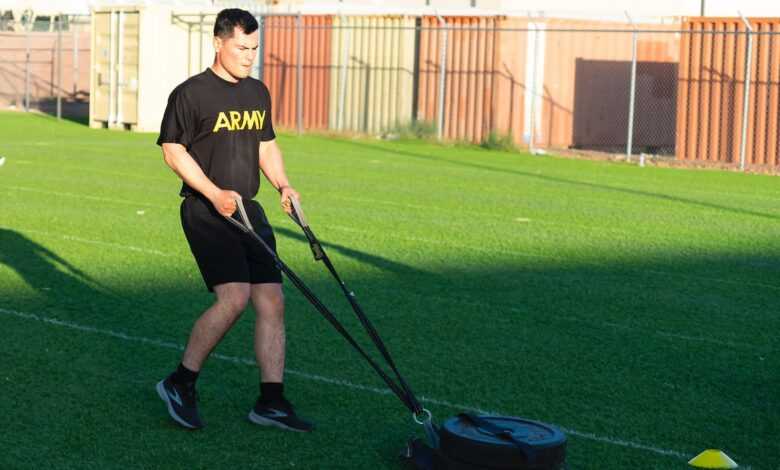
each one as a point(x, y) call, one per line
point(222, 73)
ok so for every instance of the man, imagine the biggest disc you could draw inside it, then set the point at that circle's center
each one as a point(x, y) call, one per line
point(217, 135)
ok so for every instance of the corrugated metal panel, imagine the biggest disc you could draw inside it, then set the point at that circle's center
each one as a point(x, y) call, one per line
point(115, 56)
point(280, 68)
point(380, 69)
point(128, 72)
point(712, 86)
point(470, 80)
point(101, 57)
point(509, 80)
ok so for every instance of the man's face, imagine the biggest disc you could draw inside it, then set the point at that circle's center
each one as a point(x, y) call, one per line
point(237, 53)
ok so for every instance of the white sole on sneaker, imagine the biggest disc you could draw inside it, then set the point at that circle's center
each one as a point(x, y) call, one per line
point(164, 396)
point(263, 421)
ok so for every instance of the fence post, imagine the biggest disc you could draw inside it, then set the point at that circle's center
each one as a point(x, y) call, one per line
point(632, 97)
point(75, 61)
point(299, 75)
point(27, 69)
point(532, 119)
point(189, 48)
point(200, 43)
point(746, 97)
point(343, 76)
point(442, 77)
point(59, 66)
point(261, 50)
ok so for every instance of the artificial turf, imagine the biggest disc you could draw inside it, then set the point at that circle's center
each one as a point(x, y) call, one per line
point(636, 308)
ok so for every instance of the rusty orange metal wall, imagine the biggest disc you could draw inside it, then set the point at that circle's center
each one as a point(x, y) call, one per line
point(280, 69)
point(469, 96)
point(711, 89)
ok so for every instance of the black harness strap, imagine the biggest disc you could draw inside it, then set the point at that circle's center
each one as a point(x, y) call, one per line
point(402, 391)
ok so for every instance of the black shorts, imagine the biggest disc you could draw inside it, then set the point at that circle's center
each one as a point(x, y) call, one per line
point(223, 252)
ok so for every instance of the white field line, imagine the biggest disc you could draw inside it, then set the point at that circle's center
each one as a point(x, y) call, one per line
point(99, 243)
point(550, 257)
point(329, 380)
point(86, 169)
point(85, 196)
point(475, 303)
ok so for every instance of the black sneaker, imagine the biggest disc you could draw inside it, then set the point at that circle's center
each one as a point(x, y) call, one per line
point(279, 414)
point(181, 401)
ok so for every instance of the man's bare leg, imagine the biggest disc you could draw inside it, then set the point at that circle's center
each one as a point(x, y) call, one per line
point(268, 302)
point(272, 408)
point(212, 325)
point(178, 389)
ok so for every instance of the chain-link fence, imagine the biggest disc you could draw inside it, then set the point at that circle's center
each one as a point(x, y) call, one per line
point(701, 89)
point(44, 64)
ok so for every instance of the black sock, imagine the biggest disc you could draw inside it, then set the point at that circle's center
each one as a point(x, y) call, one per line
point(184, 375)
point(271, 391)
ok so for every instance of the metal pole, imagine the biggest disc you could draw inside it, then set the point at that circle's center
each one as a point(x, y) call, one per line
point(189, 49)
point(261, 50)
point(120, 71)
point(200, 44)
point(632, 96)
point(532, 133)
point(442, 78)
point(27, 69)
point(75, 61)
point(59, 66)
point(299, 76)
point(112, 70)
point(343, 77)
point(746, 96)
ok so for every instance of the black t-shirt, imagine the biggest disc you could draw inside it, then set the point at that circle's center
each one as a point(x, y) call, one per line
point(221, 124)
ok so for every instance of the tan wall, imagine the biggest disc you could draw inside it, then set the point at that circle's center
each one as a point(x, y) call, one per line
point(586, 87)
point(712, 86)
point(43, 68)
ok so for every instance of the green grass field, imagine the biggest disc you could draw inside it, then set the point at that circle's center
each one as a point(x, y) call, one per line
point(636, 308)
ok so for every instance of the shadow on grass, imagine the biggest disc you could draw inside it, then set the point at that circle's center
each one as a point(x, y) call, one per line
point(379, 262)
point(618, 350)
point(559, 180)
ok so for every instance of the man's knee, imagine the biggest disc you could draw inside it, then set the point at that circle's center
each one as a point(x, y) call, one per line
point(233, 297)
point(268, 299)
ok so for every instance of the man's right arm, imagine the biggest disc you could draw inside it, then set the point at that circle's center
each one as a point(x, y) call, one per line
point(182, 163)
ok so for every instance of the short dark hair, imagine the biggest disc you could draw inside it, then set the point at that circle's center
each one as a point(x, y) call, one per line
point(229, 18)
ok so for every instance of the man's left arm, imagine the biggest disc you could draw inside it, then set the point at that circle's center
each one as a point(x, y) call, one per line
point(272, 165)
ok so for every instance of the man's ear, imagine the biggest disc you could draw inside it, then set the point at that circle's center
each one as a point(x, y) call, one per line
point(217, 43)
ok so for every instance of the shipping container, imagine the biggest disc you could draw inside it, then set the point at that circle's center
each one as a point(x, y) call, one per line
point(139, 54)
